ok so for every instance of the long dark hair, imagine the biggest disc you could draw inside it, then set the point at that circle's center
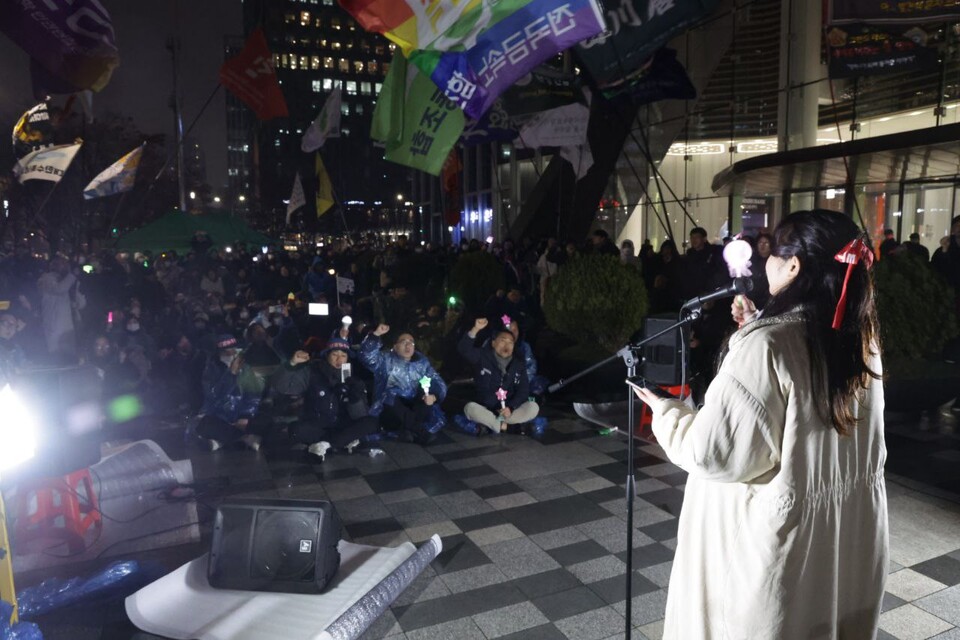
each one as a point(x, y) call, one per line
point(839, 359)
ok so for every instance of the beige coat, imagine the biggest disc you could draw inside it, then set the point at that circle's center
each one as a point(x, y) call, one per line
point(783, 531)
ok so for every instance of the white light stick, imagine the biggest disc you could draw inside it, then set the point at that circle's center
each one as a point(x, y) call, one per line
point(737, 255)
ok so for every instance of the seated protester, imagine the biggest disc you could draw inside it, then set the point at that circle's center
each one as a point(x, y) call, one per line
point(502, 388)
point(538, 383)
point(336, 414)
point(232, 393)
point(180, 371)
point(399, 396)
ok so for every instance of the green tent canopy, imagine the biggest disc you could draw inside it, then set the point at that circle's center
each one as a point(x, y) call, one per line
point(174, 231)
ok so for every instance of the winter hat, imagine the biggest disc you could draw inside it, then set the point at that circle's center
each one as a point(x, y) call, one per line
point(336, 343)
point(227, 341)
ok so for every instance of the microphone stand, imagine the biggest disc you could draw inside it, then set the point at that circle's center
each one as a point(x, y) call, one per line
point(629, 356)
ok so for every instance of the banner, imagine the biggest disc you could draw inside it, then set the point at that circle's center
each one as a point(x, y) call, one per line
point(862, 50)
point(71, 41)
point(475, 50)
point(327, 124)
point(542, 89)
point(414, 120)
point(452, 189)
point(560, 127)
point(663, 78)
point(250, 76)
point(32, 131)
point(635, 29)
point(891, 11)
point(116, 178)
point(325, 198)
point(46, 164)
point(297, 199)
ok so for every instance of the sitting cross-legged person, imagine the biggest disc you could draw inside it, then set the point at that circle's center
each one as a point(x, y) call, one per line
point(500, 376)
point(336, 414)
point(407, 389)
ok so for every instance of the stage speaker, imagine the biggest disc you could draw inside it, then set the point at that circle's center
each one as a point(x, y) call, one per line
point(660, 359)
point(274, 545)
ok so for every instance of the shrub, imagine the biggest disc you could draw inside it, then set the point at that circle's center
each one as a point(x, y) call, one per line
point(596, 299)
point(474, 278)
point(916, 308)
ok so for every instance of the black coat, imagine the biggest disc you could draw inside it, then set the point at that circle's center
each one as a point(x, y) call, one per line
point(333, 403)
point(488, 377)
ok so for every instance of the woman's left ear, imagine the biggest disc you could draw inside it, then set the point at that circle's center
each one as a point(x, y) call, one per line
point(793, 268)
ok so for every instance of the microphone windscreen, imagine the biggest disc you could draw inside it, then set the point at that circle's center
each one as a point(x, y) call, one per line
point(743, 285)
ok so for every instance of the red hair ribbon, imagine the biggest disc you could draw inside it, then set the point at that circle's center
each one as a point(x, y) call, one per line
point(855, 251)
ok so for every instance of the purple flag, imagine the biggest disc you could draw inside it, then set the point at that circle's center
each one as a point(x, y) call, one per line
point(73, 42)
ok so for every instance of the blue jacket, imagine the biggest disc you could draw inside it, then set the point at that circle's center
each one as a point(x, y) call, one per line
point(393, 376)
point(227, 396)
point(488, 378)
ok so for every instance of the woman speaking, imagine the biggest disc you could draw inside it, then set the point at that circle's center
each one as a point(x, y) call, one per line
point(783, 531)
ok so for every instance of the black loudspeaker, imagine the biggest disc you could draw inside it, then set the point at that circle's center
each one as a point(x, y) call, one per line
point(274, 545)
point(661, 361)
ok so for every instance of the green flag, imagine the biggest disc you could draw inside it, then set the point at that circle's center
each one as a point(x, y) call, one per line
point(413, 118)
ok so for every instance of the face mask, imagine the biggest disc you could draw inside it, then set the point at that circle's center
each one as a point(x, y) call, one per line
point(244, 315)
point(227, 359)
point(133, 326)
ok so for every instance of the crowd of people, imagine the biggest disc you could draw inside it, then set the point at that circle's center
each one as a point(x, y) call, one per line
point(230, 337)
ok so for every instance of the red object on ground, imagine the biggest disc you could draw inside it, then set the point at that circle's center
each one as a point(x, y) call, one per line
point(63, 509)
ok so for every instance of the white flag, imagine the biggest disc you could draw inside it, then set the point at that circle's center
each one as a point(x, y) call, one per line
point(560, 127)
point(116, 178)
point(327, 124)
point(344, 285)
point(297, 199)
point(579, 157)
point(46, 164)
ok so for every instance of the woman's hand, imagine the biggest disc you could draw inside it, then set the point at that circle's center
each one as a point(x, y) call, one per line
point(743, 310)
point(646, 396)
point(429, 399)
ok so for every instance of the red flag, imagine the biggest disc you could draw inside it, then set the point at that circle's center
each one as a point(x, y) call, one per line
point(250, 76)
point(452, 191)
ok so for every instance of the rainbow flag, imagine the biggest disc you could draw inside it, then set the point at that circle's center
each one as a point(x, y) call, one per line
point(475, 50)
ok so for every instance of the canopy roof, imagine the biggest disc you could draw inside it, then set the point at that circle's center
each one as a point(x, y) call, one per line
point(174, 231)
point(931, 154)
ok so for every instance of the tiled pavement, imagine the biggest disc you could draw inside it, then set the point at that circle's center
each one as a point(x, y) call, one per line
point(534, 534)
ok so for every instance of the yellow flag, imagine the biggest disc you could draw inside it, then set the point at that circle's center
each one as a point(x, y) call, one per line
point(324, 189)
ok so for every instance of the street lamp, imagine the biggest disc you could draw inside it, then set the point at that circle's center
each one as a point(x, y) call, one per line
point(216, 199)
point(242, 198)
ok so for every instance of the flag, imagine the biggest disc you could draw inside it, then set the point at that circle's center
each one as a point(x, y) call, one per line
point(885, 12)
point(452, 188)
point(250, 76)
point(414, 120)
point(49, 163)
point(863, 50)
point(297, 199)
point(475, 50)
point(561, 127)
point(325, 198)
point(116, 178)
point(345, 285)
point(662, 78)
point(634, 30)
point(33, 130)
point(71, 44)
point(327, 124)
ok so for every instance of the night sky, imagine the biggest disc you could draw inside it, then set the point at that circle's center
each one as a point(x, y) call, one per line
point(141, 86)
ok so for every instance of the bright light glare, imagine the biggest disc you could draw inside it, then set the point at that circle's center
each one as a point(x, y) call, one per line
point(18, 431)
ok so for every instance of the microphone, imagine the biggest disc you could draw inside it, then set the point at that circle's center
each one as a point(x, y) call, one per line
point(738, 286)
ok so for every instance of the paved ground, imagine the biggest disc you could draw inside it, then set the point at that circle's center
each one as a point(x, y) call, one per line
point(534, 531)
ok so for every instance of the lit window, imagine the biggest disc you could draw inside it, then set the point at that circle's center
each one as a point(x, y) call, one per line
point(322, 43)
point(372, 67)
point(344, 131)
point(358, 109)
point(385, 67)
point(328, 63)
point(284, 61)
point(351, 88)
point(304, 18)
point(328, 84)
point(315, 86)
point(290, 18)
point(357, 66)
point(378, 86)
point(348, 45)
point(318, 23)
point(392, 47)
point(304, 42)
point(335, 24)
point(365, 88)
point(344, 65)
point(345, 108)
point(304, 62)
point(335, 46)
point(378, 49)
point(276, 60)
point(314, 62)
point(328, 3)
point(352, 26)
